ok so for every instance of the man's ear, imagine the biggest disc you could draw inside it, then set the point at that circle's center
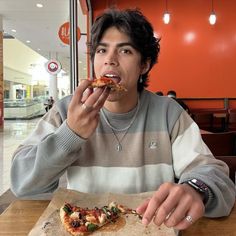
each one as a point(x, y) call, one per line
point(145, 66)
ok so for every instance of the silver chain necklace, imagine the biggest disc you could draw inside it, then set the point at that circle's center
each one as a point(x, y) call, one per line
point(113, 129)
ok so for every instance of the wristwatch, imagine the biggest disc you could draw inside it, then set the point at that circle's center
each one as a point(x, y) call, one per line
point(200, 187)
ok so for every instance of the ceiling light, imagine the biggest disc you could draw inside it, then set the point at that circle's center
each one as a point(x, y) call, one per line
point(28, 41)
point(13, 30)
point(166, 17)
point(39, 5)
point(212, 17)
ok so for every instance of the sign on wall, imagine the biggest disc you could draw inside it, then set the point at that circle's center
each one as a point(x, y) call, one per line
point(64, 33)
point(53, 67)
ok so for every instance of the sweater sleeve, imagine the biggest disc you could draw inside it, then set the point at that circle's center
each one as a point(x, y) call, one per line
point(193, 159)
point(44, 156)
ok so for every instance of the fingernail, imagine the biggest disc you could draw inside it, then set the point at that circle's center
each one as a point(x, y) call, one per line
point(145, 221)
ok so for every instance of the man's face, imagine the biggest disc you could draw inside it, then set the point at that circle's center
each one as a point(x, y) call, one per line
point(116, 57)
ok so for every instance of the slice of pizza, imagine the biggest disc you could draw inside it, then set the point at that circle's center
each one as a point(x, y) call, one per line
point(107, 82)
point(80, 221)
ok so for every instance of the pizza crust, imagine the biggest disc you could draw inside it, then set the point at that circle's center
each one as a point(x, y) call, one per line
point(65, 221)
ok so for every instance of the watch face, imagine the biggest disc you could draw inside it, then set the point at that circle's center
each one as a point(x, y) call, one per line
point(199, 185)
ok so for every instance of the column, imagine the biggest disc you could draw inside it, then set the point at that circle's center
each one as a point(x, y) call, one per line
point(12, 91)
point(53, 87)
point(1, 76)
point(31, 91)
point(1, 103)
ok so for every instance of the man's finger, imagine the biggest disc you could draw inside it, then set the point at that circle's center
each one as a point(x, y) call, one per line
point(142, 208)
point(78, 93)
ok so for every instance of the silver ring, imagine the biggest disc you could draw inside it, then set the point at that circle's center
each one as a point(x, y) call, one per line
point(86, 107)
point(189, 219)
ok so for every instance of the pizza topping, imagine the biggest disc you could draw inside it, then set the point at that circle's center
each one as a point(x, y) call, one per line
point(91, 227)
point(68, 209)
point(76, 215)
point(102, 218)
point(75, 223)
point(91, 218)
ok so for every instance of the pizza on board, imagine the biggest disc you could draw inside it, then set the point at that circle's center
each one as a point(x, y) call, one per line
point(80, 221)
point(107, 82)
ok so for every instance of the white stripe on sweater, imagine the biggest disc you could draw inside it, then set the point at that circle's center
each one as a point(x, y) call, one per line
point(119, 179)
point(189, 144)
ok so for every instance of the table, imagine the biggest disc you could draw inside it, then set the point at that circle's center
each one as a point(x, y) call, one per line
point(19, 218)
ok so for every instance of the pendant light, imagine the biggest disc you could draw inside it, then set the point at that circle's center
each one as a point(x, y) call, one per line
point(166, 17)
point(212, 17)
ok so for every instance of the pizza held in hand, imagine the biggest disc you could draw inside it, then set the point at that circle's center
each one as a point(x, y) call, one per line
point(107, 82)
point(80, 221)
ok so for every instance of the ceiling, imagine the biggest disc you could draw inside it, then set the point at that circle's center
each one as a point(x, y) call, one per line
point(41, 25)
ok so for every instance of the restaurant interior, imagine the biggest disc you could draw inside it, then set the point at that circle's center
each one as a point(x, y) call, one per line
point(197, 61)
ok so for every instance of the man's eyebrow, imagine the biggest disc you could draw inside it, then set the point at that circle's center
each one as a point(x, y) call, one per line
point(118, 45)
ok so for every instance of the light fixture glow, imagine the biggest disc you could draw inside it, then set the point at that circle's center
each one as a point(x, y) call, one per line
point(13, 30)
point(212, 17)
point(166, 16)
point(39, 5)
point(28, 41)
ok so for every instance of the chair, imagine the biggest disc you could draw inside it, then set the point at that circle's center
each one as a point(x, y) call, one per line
point(221, 144)
point(220, 120)
point(231, 162)
point(232, 120)
point(203, 120)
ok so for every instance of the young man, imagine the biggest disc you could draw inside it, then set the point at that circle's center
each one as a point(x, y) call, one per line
point(127, 141)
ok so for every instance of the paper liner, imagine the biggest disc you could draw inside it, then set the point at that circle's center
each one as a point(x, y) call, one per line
point(50, 224)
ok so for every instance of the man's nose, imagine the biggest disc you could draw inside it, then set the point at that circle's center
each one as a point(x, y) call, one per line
point(111, 59)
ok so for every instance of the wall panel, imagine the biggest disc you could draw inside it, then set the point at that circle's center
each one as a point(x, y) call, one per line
point(196, 59)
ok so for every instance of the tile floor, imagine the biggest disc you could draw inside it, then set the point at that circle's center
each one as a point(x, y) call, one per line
point(14, 132)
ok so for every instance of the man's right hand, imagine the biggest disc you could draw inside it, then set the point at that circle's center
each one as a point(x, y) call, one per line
point(83, 110)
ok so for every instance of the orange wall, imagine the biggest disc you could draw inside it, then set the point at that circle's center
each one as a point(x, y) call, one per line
point(196, 59)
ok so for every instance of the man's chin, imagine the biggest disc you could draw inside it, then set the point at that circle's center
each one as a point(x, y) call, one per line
point(114, 96)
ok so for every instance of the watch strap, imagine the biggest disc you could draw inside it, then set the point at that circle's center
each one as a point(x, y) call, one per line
point(200, 187)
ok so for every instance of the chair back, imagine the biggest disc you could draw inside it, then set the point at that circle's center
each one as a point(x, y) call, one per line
point(232, 120)
point(203, 120)
point(221, 144)
point(231, 162)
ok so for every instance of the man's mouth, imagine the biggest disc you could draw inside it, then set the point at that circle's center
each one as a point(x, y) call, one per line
point(114, 77)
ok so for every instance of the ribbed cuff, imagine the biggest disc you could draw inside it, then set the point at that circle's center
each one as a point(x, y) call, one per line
point(67, 139)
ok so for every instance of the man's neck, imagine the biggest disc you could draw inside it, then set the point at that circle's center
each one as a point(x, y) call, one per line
point(122, 105)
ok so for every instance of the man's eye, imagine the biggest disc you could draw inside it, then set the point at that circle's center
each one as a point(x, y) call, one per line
point(100, 50)
point(126, 51)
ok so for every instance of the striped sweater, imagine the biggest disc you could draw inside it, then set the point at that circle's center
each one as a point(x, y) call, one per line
point(162, 145)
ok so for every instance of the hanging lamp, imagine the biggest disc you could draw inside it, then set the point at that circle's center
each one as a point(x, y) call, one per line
point(212, 17)
point(166, 16)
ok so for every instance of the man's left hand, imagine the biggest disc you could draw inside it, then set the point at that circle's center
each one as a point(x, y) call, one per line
point(175, 205)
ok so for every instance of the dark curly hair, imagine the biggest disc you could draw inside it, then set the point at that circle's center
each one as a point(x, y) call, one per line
point(137, 27)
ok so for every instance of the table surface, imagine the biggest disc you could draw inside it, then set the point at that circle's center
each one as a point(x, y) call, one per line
point(20, 217)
